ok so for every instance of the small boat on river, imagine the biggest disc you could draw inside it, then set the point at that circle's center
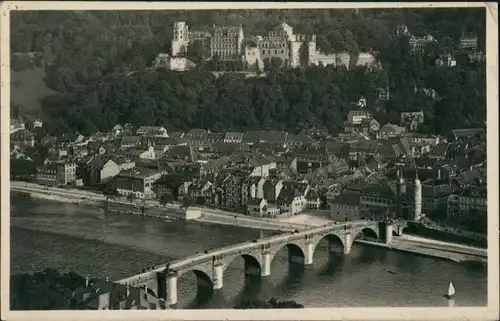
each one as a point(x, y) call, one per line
point(451, 291)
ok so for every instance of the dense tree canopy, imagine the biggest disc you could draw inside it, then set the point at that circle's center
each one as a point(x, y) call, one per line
point(46, 290)
point(88, 57)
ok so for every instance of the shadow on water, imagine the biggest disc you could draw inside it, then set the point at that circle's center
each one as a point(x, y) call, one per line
point(475, 266)
point(205, 297)
point(255, 285)
point(296, 272)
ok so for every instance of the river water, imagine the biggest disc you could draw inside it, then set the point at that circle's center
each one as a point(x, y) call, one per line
point(68, 237)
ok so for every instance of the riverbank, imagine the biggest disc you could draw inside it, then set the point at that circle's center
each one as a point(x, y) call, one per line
point(429, 248)
point(150, 208)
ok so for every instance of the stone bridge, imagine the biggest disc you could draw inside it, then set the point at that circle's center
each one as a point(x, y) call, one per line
point(258, 254)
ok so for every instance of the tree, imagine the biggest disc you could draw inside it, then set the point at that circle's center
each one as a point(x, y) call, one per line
point(166, 198)
point(46, 290)
point(187, 202)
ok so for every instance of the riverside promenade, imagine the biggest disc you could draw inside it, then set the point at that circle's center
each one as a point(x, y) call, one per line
point(154, 209)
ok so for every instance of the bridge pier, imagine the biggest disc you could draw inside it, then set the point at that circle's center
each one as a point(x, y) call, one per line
point(309, 254)
point(266, 265)
point(347, 243)
point(171, 289)
point(388, 233)
point(218, 276)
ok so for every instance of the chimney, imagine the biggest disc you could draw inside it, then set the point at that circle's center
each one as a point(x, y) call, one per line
point(128, 290)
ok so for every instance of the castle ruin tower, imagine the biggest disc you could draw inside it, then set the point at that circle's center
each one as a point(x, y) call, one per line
point(180, 39)
point(311, 47)
point(418, 198)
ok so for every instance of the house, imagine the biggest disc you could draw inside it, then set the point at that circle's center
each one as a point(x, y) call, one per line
point(22, 138)
point(291, 201)
point(101, 294)
point(152, 131)
point(418, 44)
point(299, 140)
point(202, 191)
point(232, 191)
point(196, 136)
point(130, 142)
point(160, 150)
point(469, 208)
point(48, 141)
point(355, 117)
point(271, 189)
point(428, 139)
point(17, 124)
point(313, 199)
point(468, 40)
point(255, 207)
point(467, 133)
point(215, 138)
point(419, 149)
point(233, 137)
point(57, 173)
point(411, 120)
point(439, 151)
point(402, 31)
point(137, 181)
point(265, 136)
point(390, 131)
point(37, 123)
point(140, 153)
point(367, 126)
point(80, 151)
point(309, 159)
point(261, 166)
point(362, 148)
point(475, 57)
point(446, 60)
point(255, 187)
point(344, 207)
point(101, 170)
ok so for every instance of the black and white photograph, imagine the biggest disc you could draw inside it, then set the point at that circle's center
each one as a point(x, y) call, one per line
point(190, 158)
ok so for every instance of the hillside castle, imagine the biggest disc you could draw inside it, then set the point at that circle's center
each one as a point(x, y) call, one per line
point(228, 43)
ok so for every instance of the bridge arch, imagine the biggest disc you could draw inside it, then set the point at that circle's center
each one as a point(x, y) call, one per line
point(296, 254)
point(332, 239)
point(204, 284)
point(366, 232)
point(252, 265)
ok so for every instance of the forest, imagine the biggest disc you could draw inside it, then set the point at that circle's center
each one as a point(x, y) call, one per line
point(88, 57)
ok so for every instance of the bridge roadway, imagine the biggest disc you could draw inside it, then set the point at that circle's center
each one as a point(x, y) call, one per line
point(258, 254)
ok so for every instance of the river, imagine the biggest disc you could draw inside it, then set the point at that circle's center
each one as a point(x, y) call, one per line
point(68, 237)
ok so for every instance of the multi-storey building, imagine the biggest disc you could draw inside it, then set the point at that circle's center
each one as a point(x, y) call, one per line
point(418, 44)
point(468, 40)
point(274, 45)
point(57, 173)
point(470, 206)
point(137, 181)
point(226, 42)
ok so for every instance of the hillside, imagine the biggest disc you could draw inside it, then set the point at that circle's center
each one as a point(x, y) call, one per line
point(27, 88)
point(89, 52)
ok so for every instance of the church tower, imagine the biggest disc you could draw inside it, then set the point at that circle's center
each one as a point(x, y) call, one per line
point(180, 39)
point(417, 198)
point(400, 194)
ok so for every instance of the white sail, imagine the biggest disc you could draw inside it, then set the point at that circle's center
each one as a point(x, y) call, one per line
point(451, 290)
